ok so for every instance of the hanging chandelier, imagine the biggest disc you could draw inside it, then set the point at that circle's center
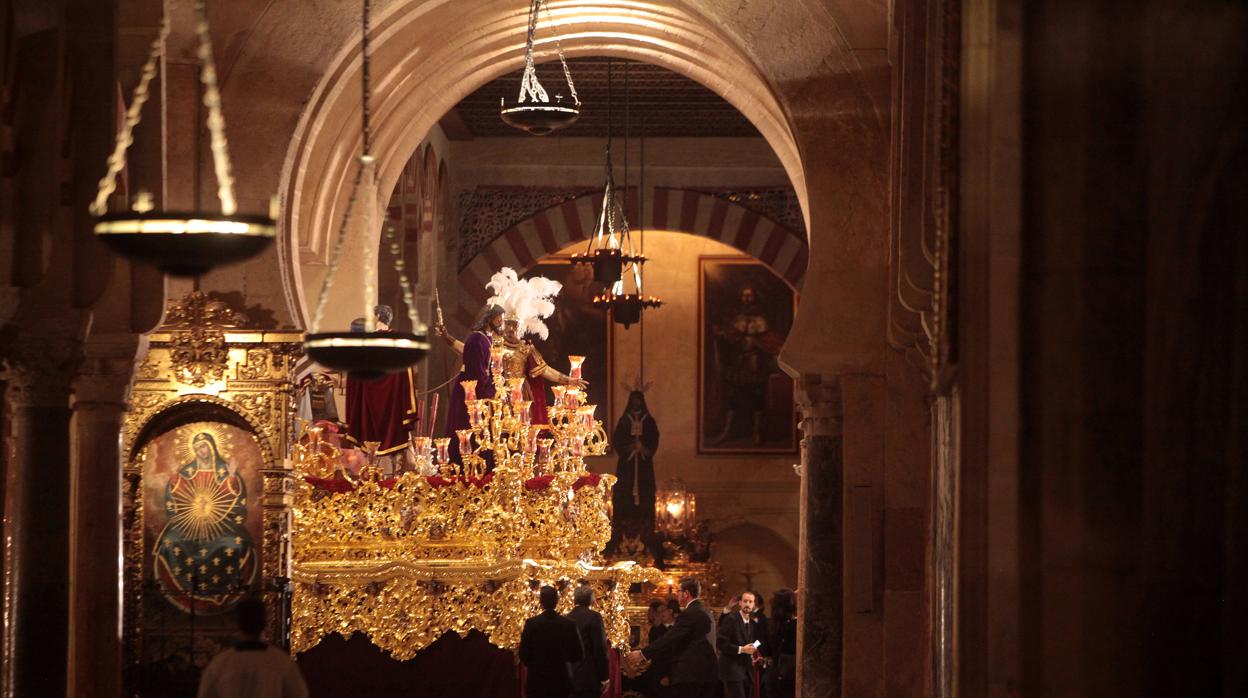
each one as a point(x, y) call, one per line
point(533, 110)
point(180, 243)
point(610, 250)
point(371, 353)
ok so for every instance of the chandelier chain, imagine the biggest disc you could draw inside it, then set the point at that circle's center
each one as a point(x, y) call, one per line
point(339, 242)
point(400, 266)
point(125, 135)
point(567, 74)
point(216, 119)
point(366, 80)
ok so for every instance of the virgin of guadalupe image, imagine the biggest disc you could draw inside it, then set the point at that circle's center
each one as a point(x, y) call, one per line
point(204, 557)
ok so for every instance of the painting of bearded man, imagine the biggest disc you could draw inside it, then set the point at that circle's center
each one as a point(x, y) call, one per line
point(745, 400)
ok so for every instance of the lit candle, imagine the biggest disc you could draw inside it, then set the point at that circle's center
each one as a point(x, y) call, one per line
point(465, 441)
point(575, 362)
point(543, 449)
point(423, 444)
point(530, 441)
point(474, 413)
point(516, 387)
point(522, 412)
point(560, 392)
point(422, 453)
point(496, 360)
point(470, 390)
point(444, 449)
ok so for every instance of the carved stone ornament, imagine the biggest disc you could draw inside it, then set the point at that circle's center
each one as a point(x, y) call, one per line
point(820, 405)
point(922, 271)
point(198, 354)
point(256, 366)
point(40, 370)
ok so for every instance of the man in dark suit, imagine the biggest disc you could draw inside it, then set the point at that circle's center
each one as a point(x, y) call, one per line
point(738, 641)
point(658, 676)
point(549, 644)
point(590, 675)
point(690, 641)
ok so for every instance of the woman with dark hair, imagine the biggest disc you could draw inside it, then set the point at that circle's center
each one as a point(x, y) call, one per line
point(476, 353)
point(782, 645)
point(635, 439)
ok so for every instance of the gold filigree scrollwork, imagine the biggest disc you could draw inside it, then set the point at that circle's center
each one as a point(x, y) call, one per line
point(404, 607)
point(199, 356)
point(149, 369)
point(198, 310)
point(257, 406)
point(375, 558)
point(255, 366)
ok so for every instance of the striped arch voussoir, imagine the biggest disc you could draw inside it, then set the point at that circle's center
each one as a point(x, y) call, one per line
point(684, 210)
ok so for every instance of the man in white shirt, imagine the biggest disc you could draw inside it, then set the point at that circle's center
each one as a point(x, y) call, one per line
point(252, 669)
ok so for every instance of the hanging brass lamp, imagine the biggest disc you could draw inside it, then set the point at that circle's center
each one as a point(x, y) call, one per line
point(610, 250)
point(534, 111)
point(372, 352)
point(181, 243)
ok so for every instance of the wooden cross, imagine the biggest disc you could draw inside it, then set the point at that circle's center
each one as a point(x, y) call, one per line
point(749, 572)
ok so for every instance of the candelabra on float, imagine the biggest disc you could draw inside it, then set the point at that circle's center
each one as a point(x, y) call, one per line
point(501, 429)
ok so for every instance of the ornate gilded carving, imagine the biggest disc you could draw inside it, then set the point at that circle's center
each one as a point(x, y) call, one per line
point(149, 369)
point(256, 365)
point(199, 359)
point(198, 310)
point(198, 353)
point(403, 607)
point(374, 558)
point(257, 406)
point(198, 356)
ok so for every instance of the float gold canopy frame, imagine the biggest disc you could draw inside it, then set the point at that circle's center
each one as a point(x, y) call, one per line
point(534, 111)
point(180, 243)
point(371, 353)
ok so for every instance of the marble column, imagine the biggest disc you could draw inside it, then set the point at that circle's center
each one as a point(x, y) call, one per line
point(95, 543)
point(820, 627)
point(36, 526)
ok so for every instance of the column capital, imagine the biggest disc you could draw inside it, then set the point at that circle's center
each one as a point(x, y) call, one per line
point(40, 369)
point(107, 370)
point(819, 400)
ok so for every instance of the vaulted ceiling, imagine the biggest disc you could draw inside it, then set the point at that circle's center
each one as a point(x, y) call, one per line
point(667, 104)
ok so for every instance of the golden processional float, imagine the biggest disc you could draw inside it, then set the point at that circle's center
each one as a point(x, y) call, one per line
point(443, 545)
point(451, 547)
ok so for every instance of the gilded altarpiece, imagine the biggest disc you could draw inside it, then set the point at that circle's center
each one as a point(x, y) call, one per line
point(207, 493)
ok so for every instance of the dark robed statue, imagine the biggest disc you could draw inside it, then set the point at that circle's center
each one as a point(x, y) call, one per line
point(635, 439)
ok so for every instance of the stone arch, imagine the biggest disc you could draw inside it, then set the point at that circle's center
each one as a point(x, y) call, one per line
point(428, 56)
point(701, 213)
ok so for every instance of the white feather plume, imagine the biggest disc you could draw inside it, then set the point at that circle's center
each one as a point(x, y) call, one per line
point(529, 300)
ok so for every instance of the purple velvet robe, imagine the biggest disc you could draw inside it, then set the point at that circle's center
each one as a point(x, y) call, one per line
point(476, 367)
